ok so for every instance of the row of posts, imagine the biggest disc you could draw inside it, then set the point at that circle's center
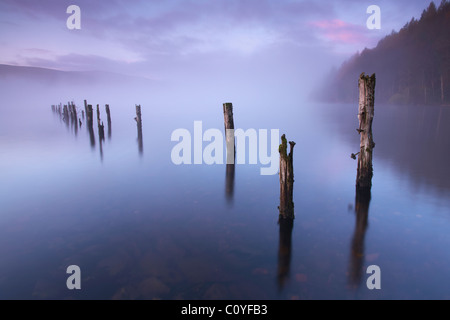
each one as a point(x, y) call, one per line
point(69, 114)
point(366, 85)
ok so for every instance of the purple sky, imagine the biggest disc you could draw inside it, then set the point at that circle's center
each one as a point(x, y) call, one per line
point(162, 38)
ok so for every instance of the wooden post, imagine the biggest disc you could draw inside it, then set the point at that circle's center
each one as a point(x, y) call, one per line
point(89, 115)
point(108, 115)
point(229, 131)
point(66, 115)
point(139, 128)
point(286, 207)
point(365, 116)
point(98, 116)
point(90, 123)
point(101, 127)
point(229, 134)
point(138, 117)
point(74, 117)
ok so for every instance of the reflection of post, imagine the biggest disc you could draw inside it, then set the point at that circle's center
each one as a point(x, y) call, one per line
point(229, 176)
point(362, 202)
point(139, 128)
point(284, 250)
point(286, 179)
point(365, 116)
point(108, 115)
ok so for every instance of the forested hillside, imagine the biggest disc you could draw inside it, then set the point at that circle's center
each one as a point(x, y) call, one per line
point(412, 65)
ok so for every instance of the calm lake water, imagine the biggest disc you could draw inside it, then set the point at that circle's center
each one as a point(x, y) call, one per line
point(140, 227)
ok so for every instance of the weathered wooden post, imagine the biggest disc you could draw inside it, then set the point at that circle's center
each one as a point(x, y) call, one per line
point(85, 108)
point(74, 117)
point(90, 123)
point(365, 116)
point(229, 135)
point(98, 115)
point(229, 131)
point(89, 115)
point(108, 115)
point(138, 119)
point(286, 210)
point(286, 207)
point(66, 115)
point(101, 127)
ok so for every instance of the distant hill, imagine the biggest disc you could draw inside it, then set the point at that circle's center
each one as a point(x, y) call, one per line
point(51, 76)
point(412, 66)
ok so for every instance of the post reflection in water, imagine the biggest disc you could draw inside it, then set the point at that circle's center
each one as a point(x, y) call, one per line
point(229, 187)
point(284, 250)
point(362, 202)
point(69, 115)
point(230, 169)
point(140, 139)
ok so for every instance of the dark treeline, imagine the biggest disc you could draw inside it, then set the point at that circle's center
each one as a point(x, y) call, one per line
point(412, 66)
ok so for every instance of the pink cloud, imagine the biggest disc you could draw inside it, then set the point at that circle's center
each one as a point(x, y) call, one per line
point(339, 31)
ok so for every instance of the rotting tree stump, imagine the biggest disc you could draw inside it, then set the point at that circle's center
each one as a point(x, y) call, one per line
point(365, 116)
point(286, 207)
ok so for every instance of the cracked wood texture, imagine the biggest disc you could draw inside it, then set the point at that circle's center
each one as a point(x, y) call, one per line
point(365, 116)
point(286, 179)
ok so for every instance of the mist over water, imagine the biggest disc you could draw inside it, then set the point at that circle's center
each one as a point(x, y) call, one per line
point(141, 227)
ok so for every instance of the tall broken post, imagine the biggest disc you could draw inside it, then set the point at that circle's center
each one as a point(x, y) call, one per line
point(286, 207)
point(108, 115)
point(365, 116)
point(138, 119)
point(85, 107)
point(286, 210)
point(101, 127)
point(74, 117)
point(229, 134)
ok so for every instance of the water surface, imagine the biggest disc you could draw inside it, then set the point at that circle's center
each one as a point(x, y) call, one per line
point(141, 227)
